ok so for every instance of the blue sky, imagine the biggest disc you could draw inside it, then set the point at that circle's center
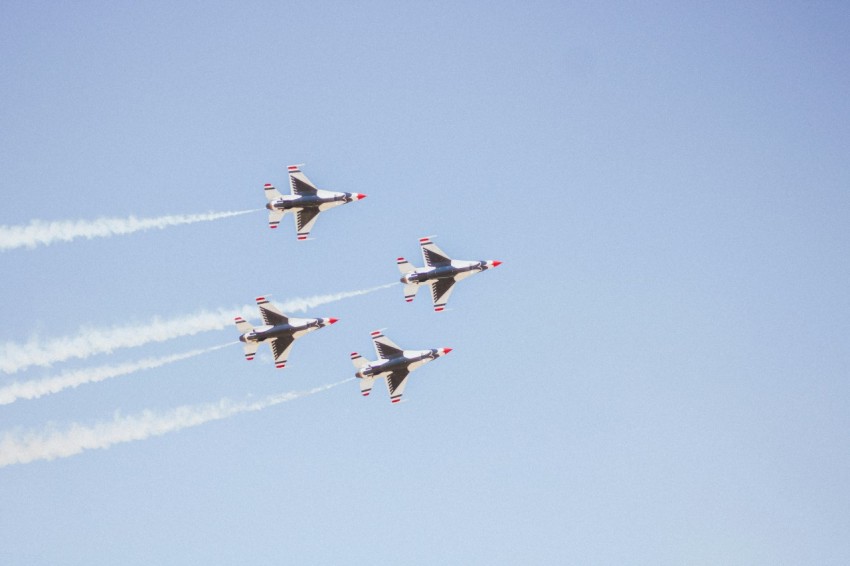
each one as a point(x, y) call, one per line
point(656, 375)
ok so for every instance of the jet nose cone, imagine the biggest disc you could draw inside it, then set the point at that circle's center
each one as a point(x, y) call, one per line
point(360, 196)
point(332, 320)
point(447, 350)
point(497, 263)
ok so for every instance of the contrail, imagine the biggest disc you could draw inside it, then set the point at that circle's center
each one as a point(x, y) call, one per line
point(40, 232)
point(21, 447)
point(89, 341)
point(36, 388)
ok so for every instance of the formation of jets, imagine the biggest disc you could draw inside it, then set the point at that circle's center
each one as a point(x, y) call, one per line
point(394, 364)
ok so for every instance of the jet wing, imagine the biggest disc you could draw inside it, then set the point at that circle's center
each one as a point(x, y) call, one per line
point(431, 254)
point(384, 347)
point(440, 291)
point(304, 220)
point(396, 382)
point(281, 348)
point(299, 182)
point(271, 315)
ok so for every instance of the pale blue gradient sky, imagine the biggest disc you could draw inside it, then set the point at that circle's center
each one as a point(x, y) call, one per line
point(658, 374)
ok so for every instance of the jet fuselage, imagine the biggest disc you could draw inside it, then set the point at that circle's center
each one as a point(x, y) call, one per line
point(410, 360)
point(291, 202)
point(293, 329)
point(457, 269)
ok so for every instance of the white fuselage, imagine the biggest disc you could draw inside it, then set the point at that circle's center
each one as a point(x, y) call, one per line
point(322, 200)
point(457, 270)
point(410, 360)
point(295, 328)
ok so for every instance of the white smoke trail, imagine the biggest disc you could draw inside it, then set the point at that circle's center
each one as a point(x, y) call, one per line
point(39, 232)
point(36, 388)
point(16, 356)
point(20, 447)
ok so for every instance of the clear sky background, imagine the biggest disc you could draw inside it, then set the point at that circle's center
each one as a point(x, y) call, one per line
point(658, 374)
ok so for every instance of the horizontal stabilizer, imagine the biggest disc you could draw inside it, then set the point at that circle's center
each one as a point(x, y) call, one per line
point(251, 350)
point(404, 266)
point(242, 326)
point(358, 360)
point(366, 385)
point(410, 292)
point(271, 193)
point(274, 217)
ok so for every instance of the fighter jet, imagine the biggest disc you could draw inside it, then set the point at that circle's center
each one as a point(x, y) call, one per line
point(440, 272)
point(280, 331)
point(393, 364)
point(306, 201)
